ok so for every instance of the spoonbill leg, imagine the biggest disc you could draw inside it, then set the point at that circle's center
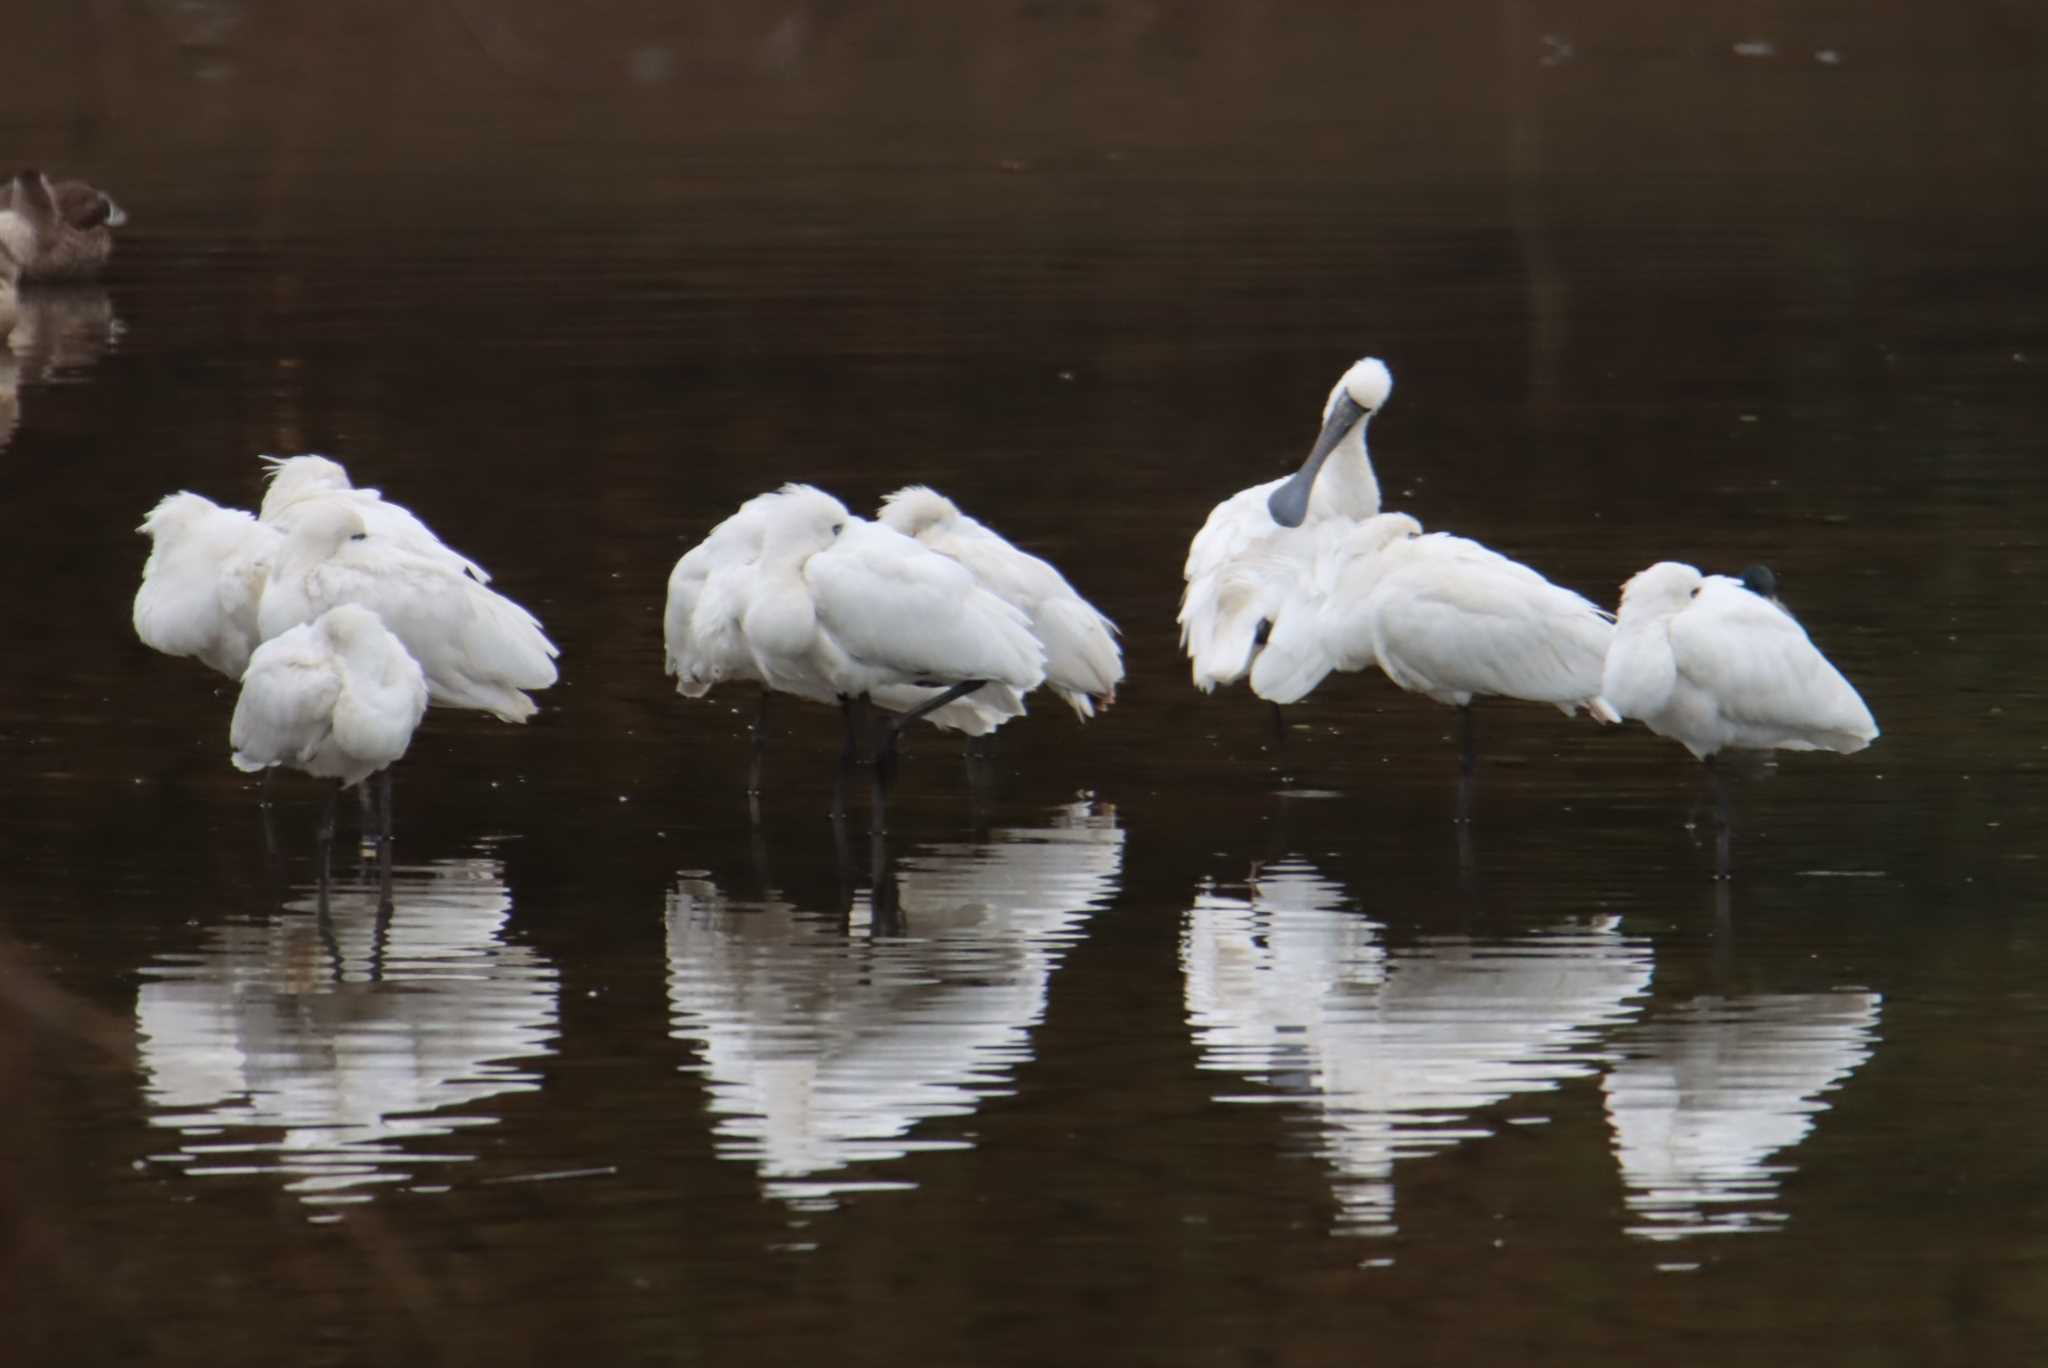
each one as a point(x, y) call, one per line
point(1468, 762)
point(1724, 821)
point(885, 748)
point(384, 843)
point(323, 838)
point(757, 743)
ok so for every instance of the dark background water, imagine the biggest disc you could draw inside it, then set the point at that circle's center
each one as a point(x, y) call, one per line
point(1189, 1050)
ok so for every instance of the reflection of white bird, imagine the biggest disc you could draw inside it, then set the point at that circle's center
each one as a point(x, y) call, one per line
point(823, 1050)
point(203, 581)
point(1441, 616)
point(478, 648)
point(1705, 1094)
point(345, 1051)
point(337, 697)
point(1713, 665)
point(1400, 1048)
point(1082, 661)
point(299, 482)
point(712, 589)
point(1243, 564)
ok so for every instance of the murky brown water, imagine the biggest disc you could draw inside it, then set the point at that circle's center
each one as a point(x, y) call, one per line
point(1170, 1047)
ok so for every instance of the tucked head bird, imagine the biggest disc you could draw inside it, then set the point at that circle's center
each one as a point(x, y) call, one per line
point(1247, 557)
point(339, 698)
point(1083, 664)
point(297, 483)
point(711, 591)
point(73, 225)
point(203, 581)
point(1715, 664)
point(1441, 616)
point(849, 611)
point(478, 648)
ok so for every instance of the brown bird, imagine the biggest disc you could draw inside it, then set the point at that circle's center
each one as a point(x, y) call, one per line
point(73, 224)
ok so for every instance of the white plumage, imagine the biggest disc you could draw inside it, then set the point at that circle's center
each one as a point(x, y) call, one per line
point(713, 595)
point(1245, 562)
point(478, 648)
point(338, 698)
point(1441, 616)
point(846, 608)
point(1083, 664)
point(1704, 661)
point(203, 581)
point(298, 483)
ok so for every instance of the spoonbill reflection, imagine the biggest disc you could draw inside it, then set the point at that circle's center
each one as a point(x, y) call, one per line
point(297, 483)
point(1712, 664)
point(1441, 616)
point(1082, 661)
point(332, 1049)
point(822, 1050)
point(477, 648)
point(836, 609)
point(203, 581)
point(1397, 1047)
point(1705, 1094)
point(1245, 562)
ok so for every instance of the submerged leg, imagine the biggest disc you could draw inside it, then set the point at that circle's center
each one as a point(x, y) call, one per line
point(1279, 726)
point(1724, 820)
point(384, 842)
point(1467, 763)
point(323, 837)
point(885, 748)
point(757, 743)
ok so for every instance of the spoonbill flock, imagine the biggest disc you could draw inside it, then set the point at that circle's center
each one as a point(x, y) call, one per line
point(342, 614)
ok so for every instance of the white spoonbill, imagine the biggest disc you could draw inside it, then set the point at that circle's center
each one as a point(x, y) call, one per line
point(299, 482)
point(1083, 664)
point(203, 581)
point(478, 648)
point(1244, 562)
point(705, 645)
point(1718, 664)
point(1441, 616)
point(338, 698)
point(845, 610)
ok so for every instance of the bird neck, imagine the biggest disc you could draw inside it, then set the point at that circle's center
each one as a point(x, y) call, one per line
point(1346, 486)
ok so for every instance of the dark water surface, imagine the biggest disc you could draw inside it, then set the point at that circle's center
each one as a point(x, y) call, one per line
point(1168, 1045)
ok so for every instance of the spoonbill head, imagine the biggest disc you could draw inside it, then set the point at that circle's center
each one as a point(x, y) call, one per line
point(288, 479)
point(1358, 394)
point(298, 482)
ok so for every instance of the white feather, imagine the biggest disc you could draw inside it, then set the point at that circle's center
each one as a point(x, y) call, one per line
point(1441, 616)
point(203, 580)
point(1083, 663)
point(338, 697)
point(298, 483)
point(1704, 661)
point(478, 648)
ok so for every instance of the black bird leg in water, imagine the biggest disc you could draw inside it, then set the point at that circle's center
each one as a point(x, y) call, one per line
point(1467, 763)
point(323, 837)
point(885, 750)
point(757, 743)
point(855, 711)
point(384, 843)
point(1279, 727)
point(1724, 821)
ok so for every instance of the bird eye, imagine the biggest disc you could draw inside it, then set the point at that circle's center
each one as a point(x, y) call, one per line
point(358, 536)
point(1695, 592)
point(837, 528)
